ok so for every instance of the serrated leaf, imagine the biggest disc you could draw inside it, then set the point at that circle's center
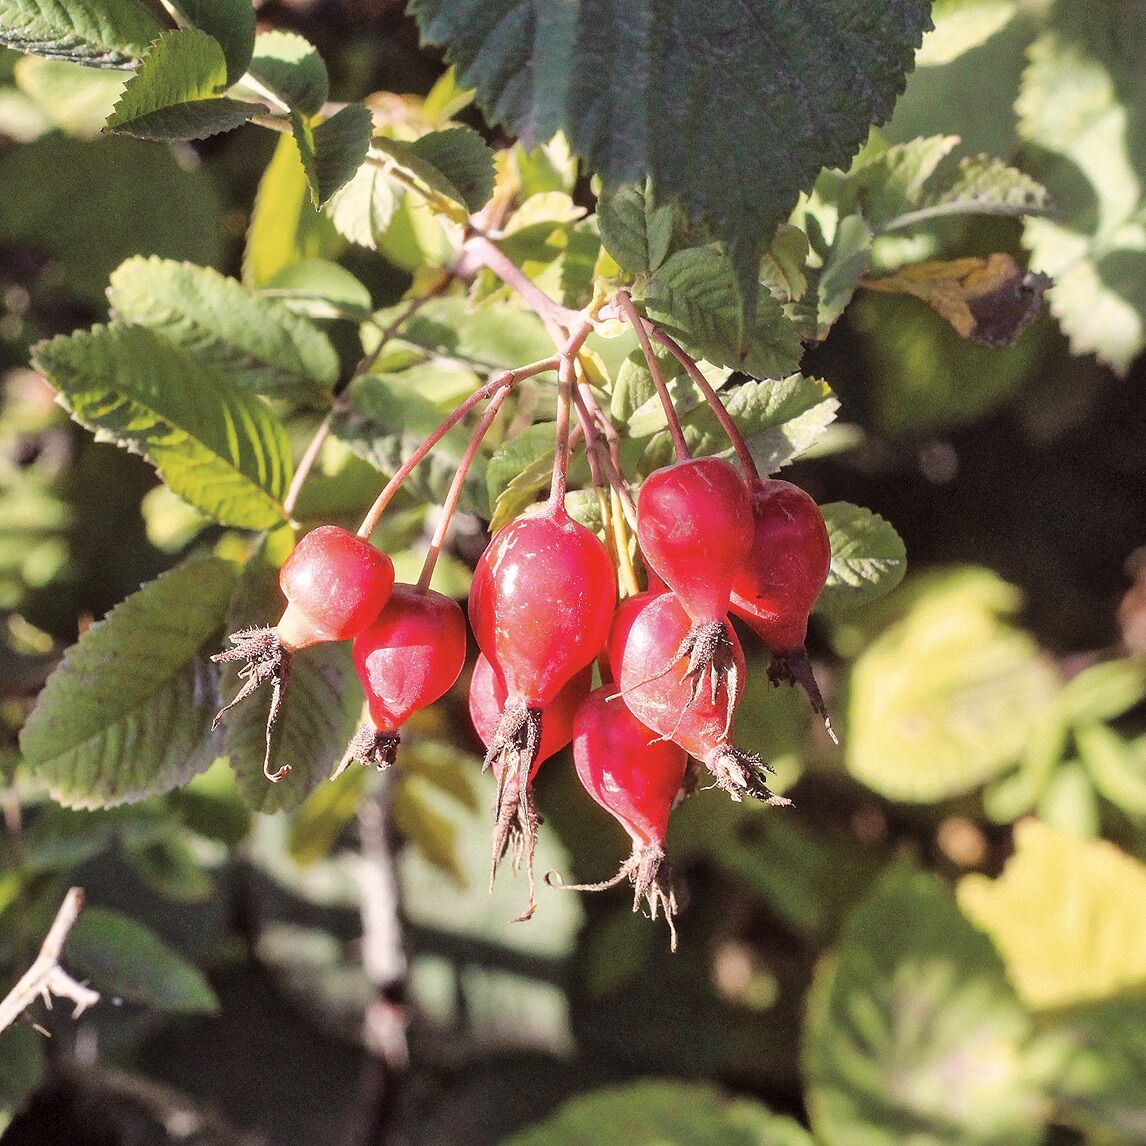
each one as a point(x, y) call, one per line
point(693, 296)
point(255, 341)
point(911, 1024)
point(990, 301)
point(779, 419)
point(456, 163)
point(633, 230)
point(333, 150)
point(220, 449)
point(1081, 97)
point(285, 228)
point(112, 34)
point(384, 420)
point(944, 699)
point(320, 709)
point(868, 557)
point(176, 93)
point(886, 182)
point(1067, 915)
point(782, 267)
point(292, 69)
point(231, 22)
point(659, 1112)
point(363, 209)
point(125, 960)
point(127, 714)
point(755, 98)
point(845, 265)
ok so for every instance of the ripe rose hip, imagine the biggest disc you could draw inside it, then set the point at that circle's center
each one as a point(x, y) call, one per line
point(783, 578)
point(666, 700)
point(635, 776)
point(335, 584)
point(407, 659)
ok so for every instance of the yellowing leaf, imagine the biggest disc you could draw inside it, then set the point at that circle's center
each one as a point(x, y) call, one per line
point(1068, 917)
point(990, 301)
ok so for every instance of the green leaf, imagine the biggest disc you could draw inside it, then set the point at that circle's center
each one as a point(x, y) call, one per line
point(219, 448)
point(516, 456)
point(22, 1053)
point(912, 1025)
point(634, 231)
point(320, 708)
point(255, 341)
point(127, 714)
point(1033, 910)
point(285, 228)
point(175, 94)
point(292, 69)
point(521, 491)
point(884, 182)
point(75, 98)
point(364, 208)
point(945, 698)
point(170, 867)
point(111, 34)
point(433, 834)
point(731, 110)
point(1081, 98)
point(693, 296)
point(125, 960)
point(384, 420)
point(868, 557)
point(1105, 690)
point(324, 816)
point(319, 288)
point(456, 163)
point(657, 1113)
point(961, 25)
point(333, 150)
point(1116, 766)
point(501, 335)
point(231, 22)
point(71, 200)
point(845, 264)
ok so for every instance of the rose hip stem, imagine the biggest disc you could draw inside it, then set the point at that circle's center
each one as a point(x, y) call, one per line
point(505, 380)
point(450, 505)
point(630, 311)
point(567, 381)
point(747, 462)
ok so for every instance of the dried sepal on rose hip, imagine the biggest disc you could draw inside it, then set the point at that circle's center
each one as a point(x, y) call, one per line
point(647, 629)
point(782, 578)
point(694, 527)
point(515, 814)
point(335, 584)
point(406, 659)
point(636, 776)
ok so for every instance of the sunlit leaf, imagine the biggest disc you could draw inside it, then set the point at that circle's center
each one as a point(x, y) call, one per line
point(112, 34)
point(868, 557)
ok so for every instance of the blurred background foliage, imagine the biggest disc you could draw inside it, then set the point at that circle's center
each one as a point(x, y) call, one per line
point(944, 942)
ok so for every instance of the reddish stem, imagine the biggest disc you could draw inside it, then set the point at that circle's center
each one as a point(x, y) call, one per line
point(488, 254)
point(505, 380)
point(450, 505)
point(747, 462)
point(674, 426)
point(306, 464)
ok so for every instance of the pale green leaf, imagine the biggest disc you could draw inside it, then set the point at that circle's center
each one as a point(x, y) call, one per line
point(845, 264)
point(77, 99)
point(333, 150)
point(321, 706)
point(456, 163)
point(1068, 917)
point(660, 1113)
point(219, 448)
point(1105, 690)
point(912, 1025)
point(500, 335)
point(693, 296)
point(231, 22)
point(255, 341)
point(176, 93)
point(326, 813)
point(945, 698)
point(731, 110)
point(1116, 766)
point(292, 69)
point(363, 209)
point(633, 230)
point(961, 25)
point(782, 267)
point(885, 182)
point(868, 557)
point(319, 288)
point(111, 34)
point(125, 960)
point(127, 714)
point(433, 834)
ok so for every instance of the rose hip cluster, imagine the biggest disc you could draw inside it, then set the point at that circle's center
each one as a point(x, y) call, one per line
point(543, 607)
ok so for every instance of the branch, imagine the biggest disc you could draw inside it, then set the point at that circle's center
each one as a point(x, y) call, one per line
point(46, 977)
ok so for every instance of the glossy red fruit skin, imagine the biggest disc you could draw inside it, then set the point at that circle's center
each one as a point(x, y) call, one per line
point(643, 641)
point(411, 655)
point(787, 567)
point(487, 701)
point(626, 768)
point(694, 526)
point(542, 602)
point(335, 585)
